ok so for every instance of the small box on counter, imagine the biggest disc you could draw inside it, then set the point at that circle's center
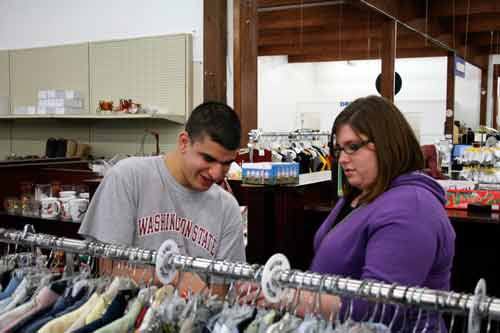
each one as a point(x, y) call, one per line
point(270, 173)
point(58, 93)
point(61, 102)
point(460, 199)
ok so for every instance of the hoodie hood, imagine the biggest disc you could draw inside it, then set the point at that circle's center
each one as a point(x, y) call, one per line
point(421, 180)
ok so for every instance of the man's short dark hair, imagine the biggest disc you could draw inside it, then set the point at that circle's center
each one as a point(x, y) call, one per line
point(216, 120)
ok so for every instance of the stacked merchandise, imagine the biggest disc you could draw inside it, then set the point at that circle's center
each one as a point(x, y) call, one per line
point(270, 173)
point(59, 102)
point(481, 165)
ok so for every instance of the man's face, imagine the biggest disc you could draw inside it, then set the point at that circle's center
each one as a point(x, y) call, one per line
point(205, 162)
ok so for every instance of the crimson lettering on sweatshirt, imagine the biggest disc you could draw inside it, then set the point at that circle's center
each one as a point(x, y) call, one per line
point(169, 222)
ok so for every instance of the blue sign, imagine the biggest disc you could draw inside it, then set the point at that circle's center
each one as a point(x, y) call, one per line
point(459, 67)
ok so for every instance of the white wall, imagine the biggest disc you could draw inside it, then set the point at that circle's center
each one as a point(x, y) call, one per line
point(34, 23)
point(495, 59)
point(286, 91)
point(468, 96)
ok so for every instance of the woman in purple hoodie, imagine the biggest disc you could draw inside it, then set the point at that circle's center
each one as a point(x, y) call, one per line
point(390, 225)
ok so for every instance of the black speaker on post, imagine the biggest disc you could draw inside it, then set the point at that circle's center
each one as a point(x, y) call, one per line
point(398, 82)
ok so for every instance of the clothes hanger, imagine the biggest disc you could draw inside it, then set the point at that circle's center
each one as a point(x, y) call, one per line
point(384, 304)
point(349, 321)
point(398, 306)
point(378, 299)
point(419, 315)
point(317, 297)
point(488, 307)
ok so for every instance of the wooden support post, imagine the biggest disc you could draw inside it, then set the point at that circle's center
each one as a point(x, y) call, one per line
point(214, 50)
point(245, 64)
point(388, 59)
point(450, 94)
point(484, 95)
point(496, 74)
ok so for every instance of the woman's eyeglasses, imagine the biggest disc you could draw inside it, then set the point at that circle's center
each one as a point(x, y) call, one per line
point(349, 149)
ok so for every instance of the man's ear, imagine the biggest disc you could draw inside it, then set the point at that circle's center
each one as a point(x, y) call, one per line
point(183, 141)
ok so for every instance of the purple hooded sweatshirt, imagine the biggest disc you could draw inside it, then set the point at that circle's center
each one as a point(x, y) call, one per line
point(404, 236)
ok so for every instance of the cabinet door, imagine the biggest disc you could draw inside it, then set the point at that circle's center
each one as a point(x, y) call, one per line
point(58, 67)
point(4, 74)
point(4, 104)
point(154, 71)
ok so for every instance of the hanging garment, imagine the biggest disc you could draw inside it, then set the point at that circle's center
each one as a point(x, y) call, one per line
point(125, 323)
point(100, 306)
point(63, 302)
point(14, 282)
point(61, 324)
point(115, 310)
point(5, 278)
point(46, 298)
point(140, 317)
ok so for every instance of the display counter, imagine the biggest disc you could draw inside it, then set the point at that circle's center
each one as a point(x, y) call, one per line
point(41, 171)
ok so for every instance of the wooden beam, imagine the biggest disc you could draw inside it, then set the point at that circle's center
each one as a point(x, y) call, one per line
point(450, 94)
point(430, 27)
point(391, 7)
point(335, 46)
point(478, 23)
point(484, 97)
point(214, 50)
point(245, 64)
point(496, 74)
point(284, 3)
point(327, 16)
point(295, 36)
point(479, 61)
point(364, 55)
point(462, 7)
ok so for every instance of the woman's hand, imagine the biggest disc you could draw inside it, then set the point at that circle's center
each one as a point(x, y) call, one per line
point(250, 293)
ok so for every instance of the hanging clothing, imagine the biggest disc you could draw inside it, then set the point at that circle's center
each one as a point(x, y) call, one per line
point(61, 324)
point(113, 312)
point(63, 302)
point(46, 298)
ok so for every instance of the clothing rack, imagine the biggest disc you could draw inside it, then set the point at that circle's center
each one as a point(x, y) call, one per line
point(459, 303)
point(255, 135)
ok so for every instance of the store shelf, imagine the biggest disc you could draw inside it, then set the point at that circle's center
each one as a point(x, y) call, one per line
point(172, 118)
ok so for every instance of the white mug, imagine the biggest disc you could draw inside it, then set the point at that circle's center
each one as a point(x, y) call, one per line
point(50, 208)
point(65, 208)
point(67, 194)
point(77, 208)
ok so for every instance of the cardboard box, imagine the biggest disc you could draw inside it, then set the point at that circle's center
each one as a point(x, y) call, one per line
point(270, 173)
point(459, 199)
point(58, 93)
point(61, 102)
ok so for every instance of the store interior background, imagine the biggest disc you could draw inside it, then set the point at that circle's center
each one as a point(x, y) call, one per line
point(290, 95)
point(287, 92)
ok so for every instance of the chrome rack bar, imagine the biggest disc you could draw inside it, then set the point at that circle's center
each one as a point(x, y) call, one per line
point(96, 249)
point(254, 135)
point(421, 297)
